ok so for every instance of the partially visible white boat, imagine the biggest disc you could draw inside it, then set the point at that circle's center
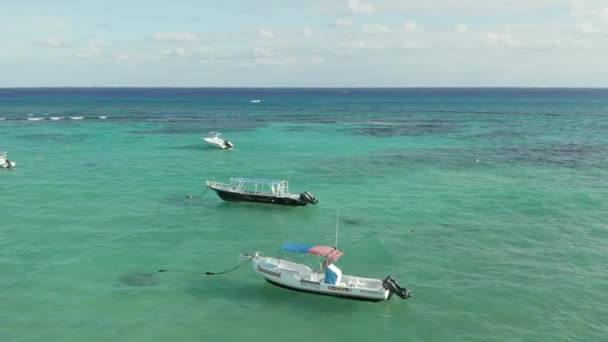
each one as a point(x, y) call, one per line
point(255, 101)
point(4, 162)
point(215, 140)
point(327, 281)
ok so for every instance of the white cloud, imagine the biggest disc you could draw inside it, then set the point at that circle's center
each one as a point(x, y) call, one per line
point(54, 43)
point(410, 26)
point(461, 28)
point(92, 51)
point(360, 7)
point(463, 7)
point(587, 27)
point(181, 37)
point(265, 33)
point(376, 29)
point(344, 22)
point(503, 39)
point(267, 57)
point(358, 44)
point(316, 60)
point(414, 45)
point(177, 52)
point(264, 56)
point(590, 18)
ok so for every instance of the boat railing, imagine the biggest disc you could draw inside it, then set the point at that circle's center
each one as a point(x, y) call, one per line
point(221, 186)
point(275, 189)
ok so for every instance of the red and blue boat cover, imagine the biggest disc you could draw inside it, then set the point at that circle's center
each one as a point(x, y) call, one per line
point(331, 253)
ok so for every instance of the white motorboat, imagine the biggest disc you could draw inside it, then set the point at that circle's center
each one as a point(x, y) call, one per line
point(215, 140)
point(4, 162)
point(328, 281)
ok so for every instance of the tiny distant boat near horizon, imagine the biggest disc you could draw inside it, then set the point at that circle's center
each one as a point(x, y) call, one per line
point(255, 101)
point(328, 280)
point(261, 191)
point(4, 162)
point(215, 140)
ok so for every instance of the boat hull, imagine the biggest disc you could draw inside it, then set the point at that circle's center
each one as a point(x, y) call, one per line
point(7, 165)
point(364, 299)
point(298, 277)
point(240, 197)
point(217, 143)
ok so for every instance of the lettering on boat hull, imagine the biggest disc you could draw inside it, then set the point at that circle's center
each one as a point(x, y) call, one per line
point(338, 288)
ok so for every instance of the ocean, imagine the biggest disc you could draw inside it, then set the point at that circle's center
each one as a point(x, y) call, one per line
point(491, 205)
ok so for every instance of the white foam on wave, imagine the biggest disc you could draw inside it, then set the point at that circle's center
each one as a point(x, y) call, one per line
point(76, 117)
point(102, 117)
point(382, 123)
point(34, 119)
point(2, 119)
point(56, 117)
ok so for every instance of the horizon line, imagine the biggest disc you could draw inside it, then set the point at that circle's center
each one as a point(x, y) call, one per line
point(303, 87)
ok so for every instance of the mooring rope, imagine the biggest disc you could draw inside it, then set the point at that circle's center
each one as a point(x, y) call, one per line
point(210, 273)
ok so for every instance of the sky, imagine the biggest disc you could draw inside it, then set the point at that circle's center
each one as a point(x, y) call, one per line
point(285, 43)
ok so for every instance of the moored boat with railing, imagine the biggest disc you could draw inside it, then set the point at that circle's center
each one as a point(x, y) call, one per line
point(260, 191)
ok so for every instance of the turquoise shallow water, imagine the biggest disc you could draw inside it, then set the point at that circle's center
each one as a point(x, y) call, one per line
point(489, 204)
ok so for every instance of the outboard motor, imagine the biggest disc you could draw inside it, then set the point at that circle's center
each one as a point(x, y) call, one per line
point(307, 197)
point(228, 144)
point(391, 284)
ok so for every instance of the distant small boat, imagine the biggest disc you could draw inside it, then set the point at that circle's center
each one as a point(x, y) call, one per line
point(214, 140)
point(255, 101)
point(260, 191)
point(4, 162)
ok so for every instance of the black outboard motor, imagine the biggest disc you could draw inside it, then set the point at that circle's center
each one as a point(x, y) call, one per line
point(228, 144)
point(307, 197)
point(389, 283)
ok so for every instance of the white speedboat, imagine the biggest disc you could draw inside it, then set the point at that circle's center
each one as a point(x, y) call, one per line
point(4, 162)
point(328, 281)
point(215, 140)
